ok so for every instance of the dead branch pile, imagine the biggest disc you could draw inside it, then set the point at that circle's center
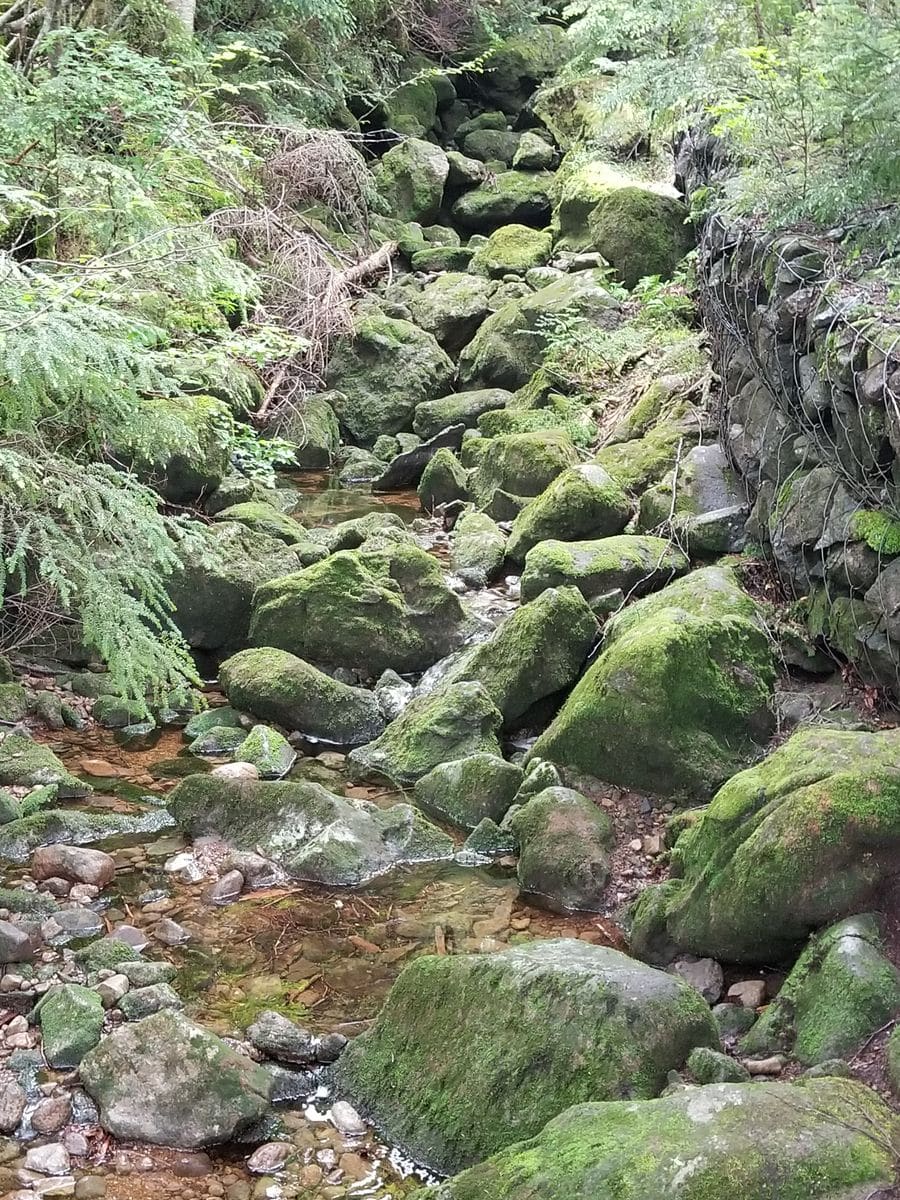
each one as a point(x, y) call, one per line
point(320, 166)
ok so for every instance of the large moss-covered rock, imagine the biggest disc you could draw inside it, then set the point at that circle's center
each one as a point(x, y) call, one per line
point(521, 463)
point(474, 1052)
point(631, 563)
point(578, 186)
point(411, 179)
point(26, 763)
point(564, 843)
point(186, 476)
point(382, 371)
point(467, 790)
point(167, 1081)
point(278, 686)
point(512, 249)
point(809, 835)
point(213, 594)
point(491, 145)
point(370, 609)
point(726, 1141)
point(841, 990)
point(75, 827)
point(312, 833)
point(516, 66)
point(477, 548)
point(71, 1021)
point(640, 233)
point(13, 702)
point(410, 110)
point(265, 519)
point(512, 197)
point(456, 720)
point(583, 502)
point(688, 673)
point(444, 480)
point(702, 501)
point(509, 347)
point(314, 430)
point(451, 308)
point(536, 652)
point(459, 408)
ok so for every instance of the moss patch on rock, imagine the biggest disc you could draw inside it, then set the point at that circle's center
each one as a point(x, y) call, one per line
point(633, 564)
point(584, 501)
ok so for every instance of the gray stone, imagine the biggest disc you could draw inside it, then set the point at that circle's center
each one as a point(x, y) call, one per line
point(710, 1066)
point(143, 1002)
point(52, 1114)
point(705, 974)
point(406, 469)
point(226, 889)
point(16, 944)
point(279, 1038)
point(12, 1102)
point(142, 974)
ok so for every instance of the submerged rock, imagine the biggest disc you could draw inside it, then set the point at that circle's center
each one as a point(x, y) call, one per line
point(314, 834)
point(679, 697)
point(564, 843)
point(467, 790)
point(456, 720)
point(728, 1141)
point(840, 991)
point(515, 1038)
point(809, 835)
point(167, 1081)
point(370, 609)
point(278, 686)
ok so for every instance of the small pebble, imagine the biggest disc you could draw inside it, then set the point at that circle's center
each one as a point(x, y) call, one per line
point(269, 1158)
point(346, 1119)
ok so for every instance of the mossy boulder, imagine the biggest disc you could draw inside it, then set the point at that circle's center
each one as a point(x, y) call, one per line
point(515, 67)
point(441, 258)
point(220, 717)
point(689, 673)
point(411, 110)
point(218, 739)
point(534, 153)
point(267, 750)
point(26, 763)
point(582, 502)
point(451, 308)
point(578, 186)
point(509, 347)
point(265, 519)
point(639, 463)
point(115, 712)
point(702, 501)
point(474, 1052)
point(631, 564)
point(512, 197)
point(369, 609)
point(522, 463)
point(212, 593)
point(712, 1066)
point(13, 702)
point(167, 1081)
point(840, 991)
point(726, 1141)
point(411, 178)
point(466, 790)
point(314, 430)
point(809, 835)
point(457, 719)
point(477, 548)
point(75, 827)
point(464, 172)
point(564, 847)
point(640, 233)
point(491, 145)
point(512, 250)
point(459, 408)
point(278, 686)
point(312, 833)
point(444, 480)
point(184, 477)
point(382, 371)
point(536, 652)
point(71, 1021)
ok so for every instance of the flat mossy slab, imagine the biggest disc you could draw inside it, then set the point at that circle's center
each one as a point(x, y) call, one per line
point(26, 763)
point(813, 1140)
point(512, 250)
point(18, 839)
point(459, 408)
point(474, 1052)
point(680, 696)
point(809, 835)
point(314, 834)
point(278, 686)
point(265, 518)
point(841, 990)
point(632, 563)
point(511, 197)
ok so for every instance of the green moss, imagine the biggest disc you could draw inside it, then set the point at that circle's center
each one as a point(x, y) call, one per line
point(477, 546)
point(640, 233)
point(511, 197)
point(71, 1021)
point(632, 563)
point(638, 463)
point(267, 750)
point(26, 763)
point(106, 953)
point(877, 530)
point(467, 790)
point(13, 702)
point(582, 502)
point(264, 518)
point(411, 179)
point(512, 249)
point(521, 463)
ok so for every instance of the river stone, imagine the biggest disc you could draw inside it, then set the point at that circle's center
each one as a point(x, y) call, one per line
point(520, 197)
point(451, 307)
point(167, 1081)
point(19, 839)
point(369, 609)
point(516, 1037)
point(142, 974)
point(631, 563)
point(71, 1021)
point(711, 1066)
point(745, 893)
point(582, 502)
point(78, 864)
point(705, 974)
point(12, 1102)
point(522, 463)
point(727, 1141)
point(16, 943)
point(314, 834)
point(267, 750)
point(536, 652)
point(350, 535)
point(477, 548)
point(564, 845)
point(443, 481)
point(689, 673)
point(469, 789)
point(382, 371)
point(840, 991)
point(459, 408)
point(144, 1001)
point(406, 469)
point(275, 1036)
point(212, 593)
point(220, 717)
point(411, 178)
point(456, 720)
point(219, 739)
point(26, 763)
